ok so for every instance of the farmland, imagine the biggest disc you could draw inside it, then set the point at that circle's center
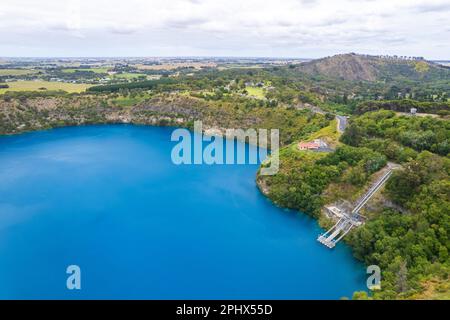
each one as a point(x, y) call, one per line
point(129, 76)
point(16, 72)
point(44, 85)
point(176, 65)
point(95, 70)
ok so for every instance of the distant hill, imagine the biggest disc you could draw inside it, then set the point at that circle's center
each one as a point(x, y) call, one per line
point(357, 67)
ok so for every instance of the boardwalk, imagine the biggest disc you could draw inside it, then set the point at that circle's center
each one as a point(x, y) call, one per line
point(375, 187)
point(348, 221)
point(341, 228)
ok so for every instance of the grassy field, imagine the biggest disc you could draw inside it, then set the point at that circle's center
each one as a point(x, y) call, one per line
point(175, 65)
point(39, 85)
point(129, 75)
point(16, 72)
point(95, 70)
point(255, 92)
point(329, 134)
point(126, 102)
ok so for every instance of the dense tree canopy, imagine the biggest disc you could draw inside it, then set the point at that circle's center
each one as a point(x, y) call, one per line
point(383, 130)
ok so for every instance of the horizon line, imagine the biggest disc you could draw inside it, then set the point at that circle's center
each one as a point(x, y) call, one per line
point(209, 57)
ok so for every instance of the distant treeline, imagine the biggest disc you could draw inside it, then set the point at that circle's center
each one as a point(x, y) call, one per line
point(22, 95)
point(404, 105)
point(149, 84)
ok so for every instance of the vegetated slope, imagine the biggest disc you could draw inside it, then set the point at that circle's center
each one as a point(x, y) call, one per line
point(407, 230)
point(357, 67)
point(27, 112)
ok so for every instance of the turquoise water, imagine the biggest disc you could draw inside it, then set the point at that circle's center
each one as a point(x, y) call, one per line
point(109, 199)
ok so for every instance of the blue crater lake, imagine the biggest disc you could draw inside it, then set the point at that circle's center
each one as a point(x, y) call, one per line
point(110, 200)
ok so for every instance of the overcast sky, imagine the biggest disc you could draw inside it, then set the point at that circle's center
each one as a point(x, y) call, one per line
point(267, 28)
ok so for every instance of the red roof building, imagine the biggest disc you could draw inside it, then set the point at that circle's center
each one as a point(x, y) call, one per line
point(308, 146)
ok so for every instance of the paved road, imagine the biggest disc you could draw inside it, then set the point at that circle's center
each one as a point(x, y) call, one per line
point(341, 123)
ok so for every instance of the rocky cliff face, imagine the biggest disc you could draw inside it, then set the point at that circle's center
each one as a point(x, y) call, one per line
point(346, 66)
point(19, 115)
point(28, 114)
point(355, 67)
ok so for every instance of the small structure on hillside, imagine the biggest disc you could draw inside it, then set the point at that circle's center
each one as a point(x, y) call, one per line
point(308, 146)
point(315, 145)
point(335, 211)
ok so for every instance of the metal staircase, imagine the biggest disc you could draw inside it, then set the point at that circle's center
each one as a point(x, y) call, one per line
point(347, 222)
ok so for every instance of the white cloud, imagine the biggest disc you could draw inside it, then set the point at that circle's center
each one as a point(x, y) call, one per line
point(302, 28)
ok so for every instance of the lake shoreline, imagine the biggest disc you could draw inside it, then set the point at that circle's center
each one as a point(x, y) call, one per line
point(287, 228)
